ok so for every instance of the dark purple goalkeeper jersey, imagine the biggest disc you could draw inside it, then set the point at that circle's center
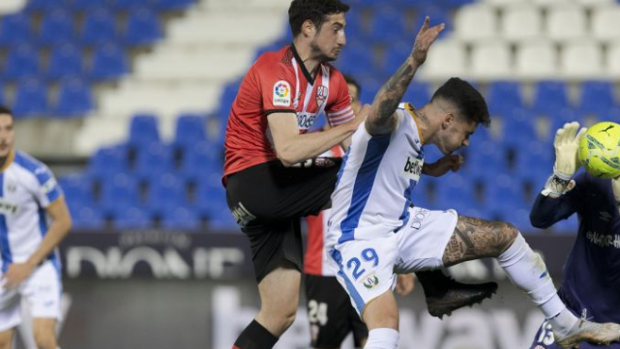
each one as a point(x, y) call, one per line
point(591, 282)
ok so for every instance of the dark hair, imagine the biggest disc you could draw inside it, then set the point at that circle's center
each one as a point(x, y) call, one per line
point(314, 10)
point(469, 102)
point(350, 80)
point(5, 110)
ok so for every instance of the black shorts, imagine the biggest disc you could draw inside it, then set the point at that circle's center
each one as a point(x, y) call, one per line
point(331, 313)
point(268, 201)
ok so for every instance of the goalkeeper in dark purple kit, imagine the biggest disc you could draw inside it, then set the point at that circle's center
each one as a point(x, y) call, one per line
point(591, 284)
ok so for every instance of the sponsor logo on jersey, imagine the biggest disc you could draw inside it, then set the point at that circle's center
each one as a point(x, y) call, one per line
point(604, 216)
point(418, 218)
point(603, 240)
point(282, 94)
point(321, 95)
point(413, 168)
point(305, 121)
point(370, 281)
point(8, 207)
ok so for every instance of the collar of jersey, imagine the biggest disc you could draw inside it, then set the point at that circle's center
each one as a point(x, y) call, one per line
point(9, 160)
point(411, 111)
point(302, 66)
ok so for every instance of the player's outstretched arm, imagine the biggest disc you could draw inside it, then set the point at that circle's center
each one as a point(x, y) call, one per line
point(386, 101)
point(566, 144)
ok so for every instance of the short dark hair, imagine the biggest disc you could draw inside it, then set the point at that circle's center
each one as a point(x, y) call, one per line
point(314, 10)
point(469, 102)
point(350, 80)
point(5, 110)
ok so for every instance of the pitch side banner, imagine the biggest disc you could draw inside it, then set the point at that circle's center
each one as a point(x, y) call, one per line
point(221, 256)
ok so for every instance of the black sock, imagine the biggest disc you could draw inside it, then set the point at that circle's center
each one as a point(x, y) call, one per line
point(434, 282)
point(255, 336)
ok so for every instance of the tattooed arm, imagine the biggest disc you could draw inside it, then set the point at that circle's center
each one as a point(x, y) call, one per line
point(386, 101)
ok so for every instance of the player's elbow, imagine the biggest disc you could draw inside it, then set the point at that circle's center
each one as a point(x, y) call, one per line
point(539, 222)
point(287, 158)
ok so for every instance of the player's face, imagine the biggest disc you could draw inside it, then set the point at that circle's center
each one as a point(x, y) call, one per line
point(455, 135)
point(7, 134)
point(329, 39)
point(355, 98)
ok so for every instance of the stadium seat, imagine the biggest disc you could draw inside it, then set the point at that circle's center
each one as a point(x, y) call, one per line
point(43, 6)
point(605, 23)
point(582, 60)
point(143, 130)
point(21, 62)
point(210, 200)
point(133, 218)
point(119, 192)
point(447, 59)
point(30, 99)
point(190, 130)
point(83, 5)
point(142, 28)
point(74, 98)
point(503, 3)
point(153, 160)
point(56, 28)
point(166, 192)
point(87, 218)
point(77, 189)
point(491, 60)
point(566, 23)
point(229, 94)
point(418, 94)
point(387, 23)
point(595, 3)
point(503, 97)
point(107, 161)
point(128, 5)
point(597, 97)
point(98, 28)
point(550, 96)
point(536, 60)
point(475, 22)
point(173, 5)
point(108, 63)
point(199, 160)
point(522, 23)
point(65, 62)
point(181, 218)
point(519, 122)
point(15, 29)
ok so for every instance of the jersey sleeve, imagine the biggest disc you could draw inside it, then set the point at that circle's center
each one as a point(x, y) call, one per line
point(340, 111)
point(547, 210)
point(48, 190)
point(277, 88)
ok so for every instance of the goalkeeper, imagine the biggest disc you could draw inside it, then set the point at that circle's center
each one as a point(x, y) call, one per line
point(591, 284)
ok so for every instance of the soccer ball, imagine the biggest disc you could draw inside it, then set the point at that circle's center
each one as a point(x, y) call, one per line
point(599, 150)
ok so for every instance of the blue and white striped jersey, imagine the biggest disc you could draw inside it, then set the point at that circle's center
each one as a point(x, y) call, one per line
point(376, 181)
point(27, 187)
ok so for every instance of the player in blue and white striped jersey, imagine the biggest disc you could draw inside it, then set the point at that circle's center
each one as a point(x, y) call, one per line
point(374, 233)
point(33, 220)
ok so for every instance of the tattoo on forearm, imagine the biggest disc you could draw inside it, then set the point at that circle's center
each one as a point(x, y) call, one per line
point(391, 94)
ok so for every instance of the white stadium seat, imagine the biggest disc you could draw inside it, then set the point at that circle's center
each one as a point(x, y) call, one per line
point(546, 3)
point(503, 3)
point(491, 60)
point(613, 60)
point(475, 22)
point(447, 58)
point(594, 3)
point(606, 23)
point(582, 60)
point(536, 60)
point(522, 23)
point(566, 23)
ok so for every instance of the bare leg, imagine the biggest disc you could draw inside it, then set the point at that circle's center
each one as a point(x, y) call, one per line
point(381, 317)
point(6, 339)
point(279, 295)
point(45, 333)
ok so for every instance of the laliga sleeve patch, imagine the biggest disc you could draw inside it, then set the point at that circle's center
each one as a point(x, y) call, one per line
point(282, 94)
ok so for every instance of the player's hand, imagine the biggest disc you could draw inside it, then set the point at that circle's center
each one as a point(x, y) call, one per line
point(452, 162)
point(16, 274)
point(566, 144)
point(425, 38)
point(405, 283)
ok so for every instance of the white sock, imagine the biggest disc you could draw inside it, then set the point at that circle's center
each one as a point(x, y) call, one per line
point(382, 338)
point(528, 272)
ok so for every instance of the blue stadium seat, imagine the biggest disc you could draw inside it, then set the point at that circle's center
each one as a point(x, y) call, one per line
point(519, 122)
point(223, 221)
point(597, 98)
point(56, 28)
point(173, 5)
point(550, 96)
point(180, 218)
point(43, 5)
point(228, 97)
point(200, 160)
point(22, 62)
point(418, 94)
point(502, 195)
point(142, 28)
point(2, 100)
point(83, 5)
point(190, 130)
point(388, 23)
point(166, 192)
point(210, 199)
point(30, 99)
point(108, 161)
point(143, 130)
point(99, 27)
point(77, 189)
point(153, 160)
point(455, 191)
point(127, 5)
point(15, 29)
point(108, 63)
point(87, 218)
point(133, 218)
point(503, 97)
point(356, 60)
point(65, 62)
point(74, 98)
point(119, 191)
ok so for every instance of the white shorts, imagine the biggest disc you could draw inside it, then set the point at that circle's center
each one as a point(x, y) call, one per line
point(42, 290)
point(368, 268)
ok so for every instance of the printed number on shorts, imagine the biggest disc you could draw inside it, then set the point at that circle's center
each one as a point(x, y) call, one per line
point(317, 312)
point(369, 255)
point(546, 334)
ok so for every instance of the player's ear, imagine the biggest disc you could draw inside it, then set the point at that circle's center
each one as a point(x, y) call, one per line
point(308, 28)
point(448, 119)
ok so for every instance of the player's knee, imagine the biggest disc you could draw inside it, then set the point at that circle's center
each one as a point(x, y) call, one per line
point(45, 340)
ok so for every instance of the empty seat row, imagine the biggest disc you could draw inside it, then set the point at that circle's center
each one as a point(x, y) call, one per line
point(121, 5)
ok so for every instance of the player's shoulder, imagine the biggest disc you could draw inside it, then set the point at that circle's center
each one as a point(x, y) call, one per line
point(282, 58)
point(30, 163)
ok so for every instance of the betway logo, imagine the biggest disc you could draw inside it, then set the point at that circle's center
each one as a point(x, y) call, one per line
point(413, 168)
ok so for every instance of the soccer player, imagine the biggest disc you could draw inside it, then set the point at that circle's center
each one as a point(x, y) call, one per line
point(266, 136)
point(591, 284)
point(330, 313)
point(33, 220)
point(373, 232)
